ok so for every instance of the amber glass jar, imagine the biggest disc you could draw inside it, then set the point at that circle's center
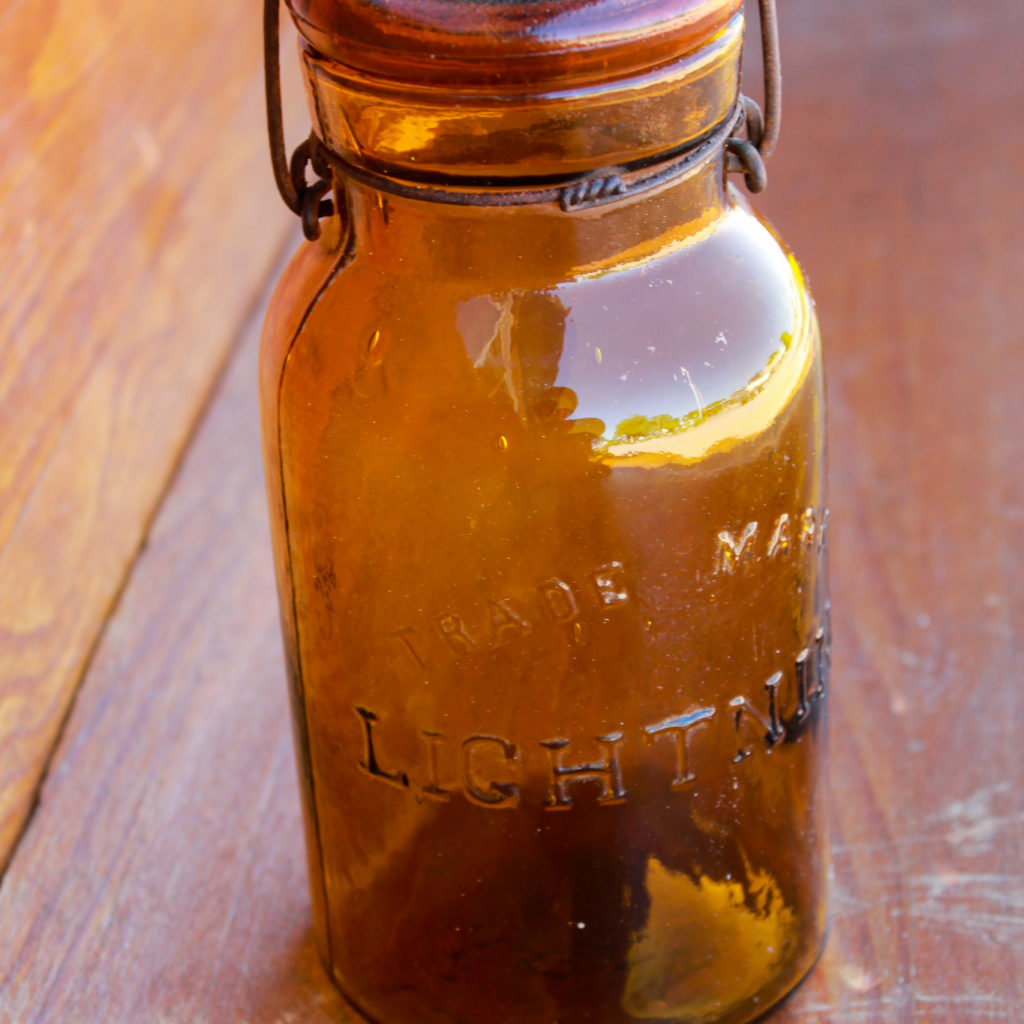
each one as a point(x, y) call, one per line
point(543, 431)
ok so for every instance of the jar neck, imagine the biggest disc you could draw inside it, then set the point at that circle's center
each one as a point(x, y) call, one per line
point(516, 132)
point(593, 173)
point(535, 245)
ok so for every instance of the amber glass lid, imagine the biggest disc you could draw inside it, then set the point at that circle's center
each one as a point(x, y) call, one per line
point(489, 42)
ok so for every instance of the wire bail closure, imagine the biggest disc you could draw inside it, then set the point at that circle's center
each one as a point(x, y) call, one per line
point(744, 154)
point(748, 155)
point(303, 199)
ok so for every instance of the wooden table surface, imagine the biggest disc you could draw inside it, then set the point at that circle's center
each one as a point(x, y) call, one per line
point(150, 839)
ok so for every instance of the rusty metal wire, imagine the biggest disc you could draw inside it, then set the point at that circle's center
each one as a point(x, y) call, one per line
point(576, 193)
point(742, 154)
point(748, 155)
point(306, 200)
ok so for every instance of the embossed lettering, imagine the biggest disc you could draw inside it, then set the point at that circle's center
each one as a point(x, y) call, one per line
point(558, 600)
point(808, 527)
point(823, 650)
point(493, 794)
point(776, 730)
point(779, 544)
point(492, 622)
point(805, 684)
point(404, 637)
point(732, 551)
point(680, 729)
point(772, 726)
point(489, 766)
point(812, 667)
point(611, 588)
point(369, 764)
point(504, 619)
point(454, 634)
point(432, 790)
point(607, 772)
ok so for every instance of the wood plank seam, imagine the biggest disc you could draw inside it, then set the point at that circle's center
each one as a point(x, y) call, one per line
point(252, 314)
point(140, 213)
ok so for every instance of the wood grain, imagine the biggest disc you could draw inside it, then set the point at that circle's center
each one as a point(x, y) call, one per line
point(135, 220)
point(162, 878)
point(893, 184)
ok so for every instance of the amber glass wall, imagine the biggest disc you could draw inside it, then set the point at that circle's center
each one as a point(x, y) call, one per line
point(548, 514)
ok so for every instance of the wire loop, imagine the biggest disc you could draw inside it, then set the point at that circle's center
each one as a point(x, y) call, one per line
point(748, 155)
point(744, 154)
point(306, 200)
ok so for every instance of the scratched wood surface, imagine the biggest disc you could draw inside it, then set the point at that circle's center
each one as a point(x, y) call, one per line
point(130, 252)
point(162, 877)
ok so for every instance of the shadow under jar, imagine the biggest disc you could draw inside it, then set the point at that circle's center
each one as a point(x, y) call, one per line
point(542, 412)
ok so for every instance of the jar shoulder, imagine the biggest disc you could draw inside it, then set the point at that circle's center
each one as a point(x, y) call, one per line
point(666, 333)
point(701, 325)
point(310, 272)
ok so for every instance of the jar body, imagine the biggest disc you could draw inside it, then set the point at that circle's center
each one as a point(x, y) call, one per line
point(549, 527)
